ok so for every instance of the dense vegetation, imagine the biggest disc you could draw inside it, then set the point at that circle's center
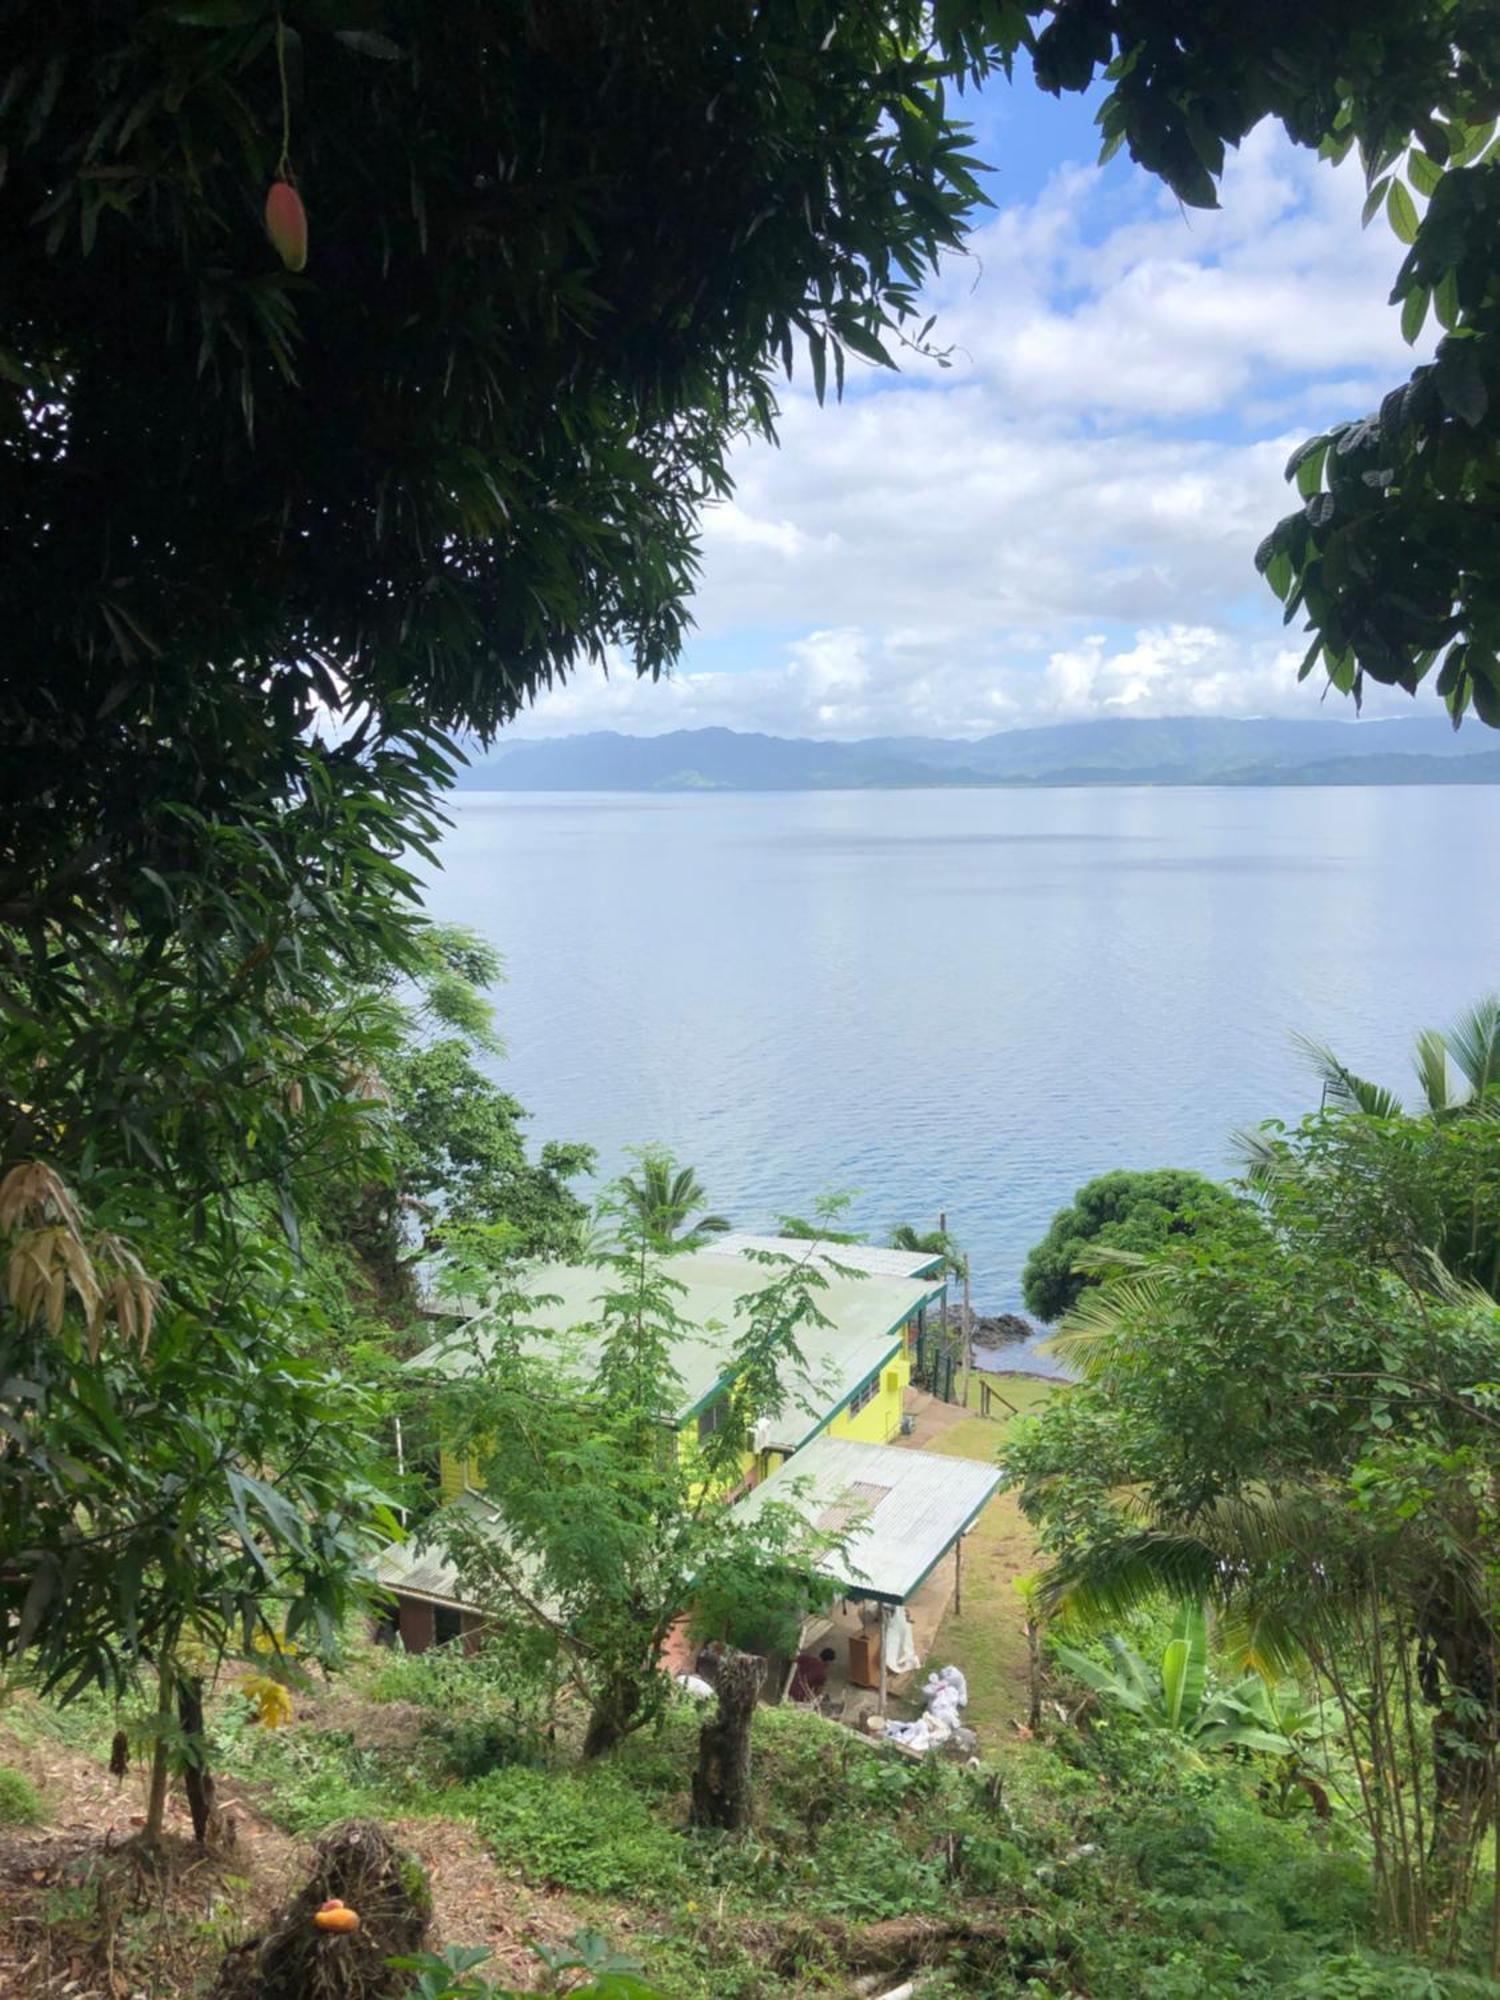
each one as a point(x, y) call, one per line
point(1119, 1211)
point(1290, 1415)
point(271, 531)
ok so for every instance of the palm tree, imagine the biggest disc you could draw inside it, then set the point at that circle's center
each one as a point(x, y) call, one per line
point(663, 1197)
point(1458, 1071)
point(931, 1243)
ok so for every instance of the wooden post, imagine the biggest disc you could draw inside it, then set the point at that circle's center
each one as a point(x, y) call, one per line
point(968, 1337)
point(885, 1613)
point(943, 1230)
point(958, 1577)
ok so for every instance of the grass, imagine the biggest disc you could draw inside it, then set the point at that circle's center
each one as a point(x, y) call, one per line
point(20, 1801)
point(987, 1639)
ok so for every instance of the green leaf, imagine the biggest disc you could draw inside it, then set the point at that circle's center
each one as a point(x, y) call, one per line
point(1445, 300)
point(853, 334)
point(1184, 1666)
point(1373, 201)
point(1461, 382)
point(1401, 211)
point(1414, 312)
point(1426, 174)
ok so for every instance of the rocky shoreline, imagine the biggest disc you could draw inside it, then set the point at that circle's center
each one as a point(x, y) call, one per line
point(1003, 1329)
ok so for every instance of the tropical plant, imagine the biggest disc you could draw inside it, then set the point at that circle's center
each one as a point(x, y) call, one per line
point(662, 1196)
point(1458, 1070)
point(609, 1525)
point(1426, 1179)
point(932, 1243)
point(1293, 1416)
point(1179, 1697)
point(453, 1973)
point(1123, 1210)
point(456, 1157)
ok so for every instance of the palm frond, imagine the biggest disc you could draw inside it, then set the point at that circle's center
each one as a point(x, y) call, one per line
point(1110, 1580)
point(1106, 1313)
point(1263, 1160)
point(1433, 1073)
point(1343, 1087)
point(1474, 1044)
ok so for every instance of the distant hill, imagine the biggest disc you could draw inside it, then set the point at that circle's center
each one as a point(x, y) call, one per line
point(1184, 750)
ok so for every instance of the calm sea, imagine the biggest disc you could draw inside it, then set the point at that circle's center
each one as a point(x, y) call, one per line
point(962, 1001)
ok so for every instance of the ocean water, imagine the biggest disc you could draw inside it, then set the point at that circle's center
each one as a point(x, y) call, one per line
point(969, 1002)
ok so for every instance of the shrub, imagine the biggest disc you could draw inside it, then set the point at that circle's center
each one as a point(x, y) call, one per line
point(20, 1801)
point(588, 1831)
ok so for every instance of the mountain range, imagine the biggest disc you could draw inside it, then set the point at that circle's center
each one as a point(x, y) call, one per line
point(1182, 750)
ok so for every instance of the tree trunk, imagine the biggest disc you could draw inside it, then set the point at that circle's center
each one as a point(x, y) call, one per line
point(1034, 1674)
point(197, 1778)
point(156, 1798)
point(1464, 1731)
point(721, 1783)
point(613, 1716)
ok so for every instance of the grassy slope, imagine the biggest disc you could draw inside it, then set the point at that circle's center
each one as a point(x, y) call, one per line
point(986, 1639)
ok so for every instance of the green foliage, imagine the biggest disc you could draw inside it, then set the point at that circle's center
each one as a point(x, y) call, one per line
point(932, 1243)
point(1119, 1211)
point(455, 1167)
point(487, 1709)
point(1180, 1698)
point(452, 1974)
point(20, 1801)
point(591, 1832)
point(608, 1528)
point(1288, 1414)
point(465, 449)
point(661, 1196)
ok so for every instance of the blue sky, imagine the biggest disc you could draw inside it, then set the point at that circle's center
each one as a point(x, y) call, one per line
point(1061, 523)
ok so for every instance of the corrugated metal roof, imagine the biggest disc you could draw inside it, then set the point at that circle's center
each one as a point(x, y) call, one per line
point(867, 1257)
point(423, 1569)
point(910, 1507)
point(865, 1315)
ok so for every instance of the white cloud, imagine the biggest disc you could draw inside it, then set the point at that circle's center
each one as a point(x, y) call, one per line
point(1062, 523)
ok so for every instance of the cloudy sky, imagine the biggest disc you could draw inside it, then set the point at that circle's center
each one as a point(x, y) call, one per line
point(1060, 524)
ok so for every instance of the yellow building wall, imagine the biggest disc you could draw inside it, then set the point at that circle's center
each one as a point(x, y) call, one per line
point(877, 1423)
point(880, 1419)
point(454, 1475)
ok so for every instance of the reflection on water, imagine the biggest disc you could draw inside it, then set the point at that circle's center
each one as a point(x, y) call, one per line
point(966, 1001)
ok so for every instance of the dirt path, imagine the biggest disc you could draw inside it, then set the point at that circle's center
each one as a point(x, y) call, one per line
point(987, 1636)
point(76, 1919)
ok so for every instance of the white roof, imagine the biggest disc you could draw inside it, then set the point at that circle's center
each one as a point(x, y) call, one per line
point(865, 1316)
point(867, 1257)
point(904, 1509)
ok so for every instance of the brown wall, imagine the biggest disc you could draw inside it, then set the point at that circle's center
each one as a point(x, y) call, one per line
point(414, 1621)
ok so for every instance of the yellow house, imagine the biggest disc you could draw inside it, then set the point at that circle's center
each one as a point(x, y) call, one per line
point(851, 1384)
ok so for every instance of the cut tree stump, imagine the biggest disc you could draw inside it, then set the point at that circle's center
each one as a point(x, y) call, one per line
point(721, 1783)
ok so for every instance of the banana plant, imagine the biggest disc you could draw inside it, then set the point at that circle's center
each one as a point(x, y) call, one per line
point(1176, 1696)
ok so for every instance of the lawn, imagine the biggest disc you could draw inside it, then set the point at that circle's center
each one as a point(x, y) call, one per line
point(987, 1638)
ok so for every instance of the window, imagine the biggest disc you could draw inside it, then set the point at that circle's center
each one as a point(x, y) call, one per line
point(865, 1393)
point(447, 1625)
point(713, 1418)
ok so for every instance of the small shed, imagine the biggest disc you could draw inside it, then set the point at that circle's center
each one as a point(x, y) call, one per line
point(901, 1512)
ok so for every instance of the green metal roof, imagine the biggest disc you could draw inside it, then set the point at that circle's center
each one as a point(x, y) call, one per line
point(901, 1509)
point(868, 1257)
point(865, 1315)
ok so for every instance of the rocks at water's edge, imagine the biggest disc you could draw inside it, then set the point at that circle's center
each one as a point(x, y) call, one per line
point(1002, 1329)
